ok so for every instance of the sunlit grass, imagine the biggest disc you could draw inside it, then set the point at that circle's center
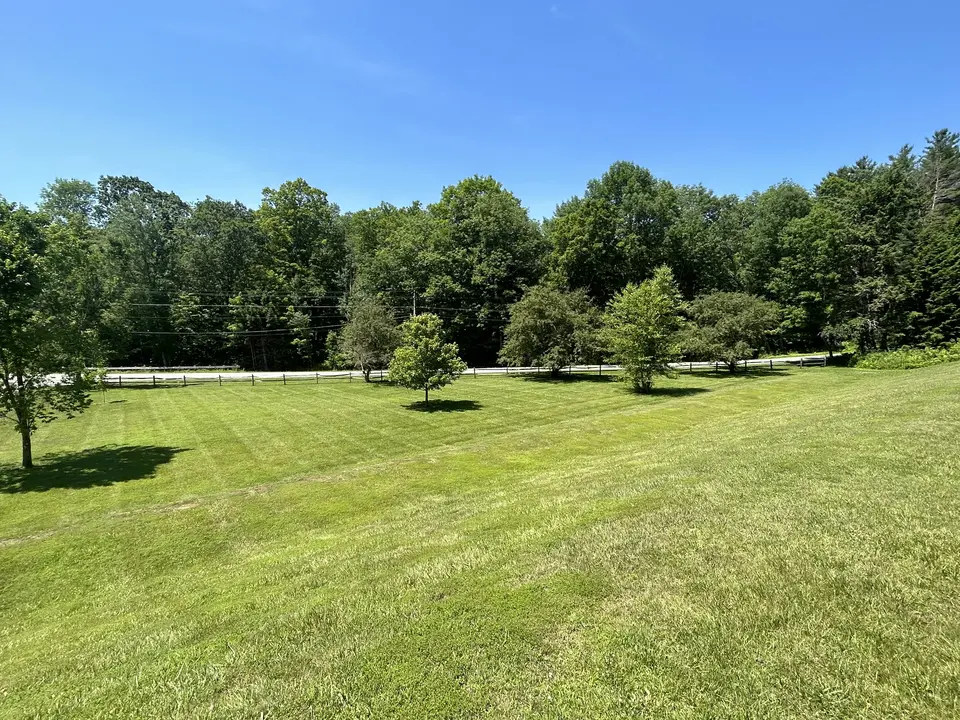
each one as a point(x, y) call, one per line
point(775, 545)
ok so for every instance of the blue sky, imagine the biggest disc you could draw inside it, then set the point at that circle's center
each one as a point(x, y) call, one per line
point(374, 100)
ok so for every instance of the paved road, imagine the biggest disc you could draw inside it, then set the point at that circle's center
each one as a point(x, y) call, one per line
point(167, 377)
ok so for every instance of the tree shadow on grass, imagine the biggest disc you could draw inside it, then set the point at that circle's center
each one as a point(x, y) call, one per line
point(741, 374)
point(148, 386)
point(95, 467)
point(668, 392)
point(569, 378)
point(445, 406)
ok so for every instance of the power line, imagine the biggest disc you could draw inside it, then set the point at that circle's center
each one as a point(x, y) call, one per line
point(231, 332)
point(230, 305)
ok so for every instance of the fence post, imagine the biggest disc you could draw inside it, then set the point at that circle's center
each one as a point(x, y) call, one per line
point(381, 374)
point(716, 366)
point(154, 380)
point(220, 380)
point(252, 379)
point(600, 371)
point(691, 368)
point(184, 380)
point(801, 362)
point(284, 378)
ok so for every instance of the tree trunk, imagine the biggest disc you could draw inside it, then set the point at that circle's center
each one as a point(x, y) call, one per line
point(732, 366)
point(426, 395)
point(366, 374)
point(27, 446)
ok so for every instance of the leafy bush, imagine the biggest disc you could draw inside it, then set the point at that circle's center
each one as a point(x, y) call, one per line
point(910, 358)
point(729, 327)
point(641, 326)
point(550, 328)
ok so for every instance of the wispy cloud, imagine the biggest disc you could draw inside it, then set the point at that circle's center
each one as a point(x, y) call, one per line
point(271, 25)
point(387, 75)
point(621, 19)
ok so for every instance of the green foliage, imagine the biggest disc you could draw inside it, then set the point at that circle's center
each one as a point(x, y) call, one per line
point(424, 361)
point(370, 335)
point(550, 328)
point(140, 227)
point(940, 170)
point(937, 278)
point(847, 269)
point(703, 239)
point(869, 258)
point(615, 233)
point(910, 358)
point(641, 326)
point(301, 263)
point(729, 327)
point(815, 278)
point(46, 341)
point(766, 215)
point(484, 252)
point(65, 200)
point(393, 249)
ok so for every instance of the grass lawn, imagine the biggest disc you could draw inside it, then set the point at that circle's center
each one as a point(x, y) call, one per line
point(779, 544)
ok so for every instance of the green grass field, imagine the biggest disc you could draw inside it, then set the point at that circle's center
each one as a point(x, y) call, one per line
point(774, 545)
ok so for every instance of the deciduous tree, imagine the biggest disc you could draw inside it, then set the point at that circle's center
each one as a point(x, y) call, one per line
point(640, 328)
point(44, 343)
point(729, 327)
point(370, 335)
point(549, 328)
point(424, 360)
point(616, 233)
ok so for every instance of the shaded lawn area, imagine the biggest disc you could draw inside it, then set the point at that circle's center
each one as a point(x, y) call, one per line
point(777, 545)
point(94, 467)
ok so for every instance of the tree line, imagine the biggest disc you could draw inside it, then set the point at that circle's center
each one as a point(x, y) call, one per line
point(869, 260)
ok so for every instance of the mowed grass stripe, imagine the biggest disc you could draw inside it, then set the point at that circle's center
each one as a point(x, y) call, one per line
point(261, 415)
point(677, 568)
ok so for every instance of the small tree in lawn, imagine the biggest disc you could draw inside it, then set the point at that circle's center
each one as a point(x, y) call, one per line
point(424, 361)
point(730, 327)
point(44, 344)
point(370, 336)
point(640, 328)
point(549, 328)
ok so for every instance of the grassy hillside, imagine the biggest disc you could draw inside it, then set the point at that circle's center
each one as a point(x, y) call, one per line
point(777, 545)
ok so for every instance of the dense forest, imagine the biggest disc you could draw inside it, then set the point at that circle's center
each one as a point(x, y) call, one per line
point(870, 260)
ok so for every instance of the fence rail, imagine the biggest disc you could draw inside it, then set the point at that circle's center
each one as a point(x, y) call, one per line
point(180, 376)
point(171, 368)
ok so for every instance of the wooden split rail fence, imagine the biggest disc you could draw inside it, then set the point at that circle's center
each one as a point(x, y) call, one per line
point(125, 377)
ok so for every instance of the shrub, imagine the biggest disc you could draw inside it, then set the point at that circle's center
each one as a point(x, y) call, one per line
point(641, 326)
point(910, 358)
